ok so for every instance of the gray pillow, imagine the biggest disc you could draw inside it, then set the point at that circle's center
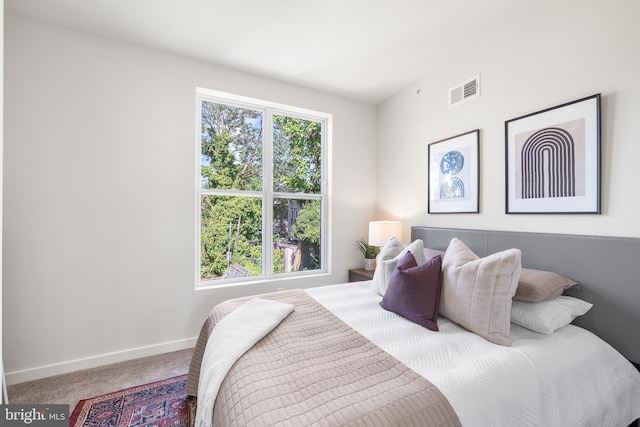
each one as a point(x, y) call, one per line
point(539, 285)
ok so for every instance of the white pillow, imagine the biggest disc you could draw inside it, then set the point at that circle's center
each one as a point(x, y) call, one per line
point(389, 251)
point(548, 316)
point(388, 258)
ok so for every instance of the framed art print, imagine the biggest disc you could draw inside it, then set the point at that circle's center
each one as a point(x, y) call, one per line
point(454, 174)
point(553, 159)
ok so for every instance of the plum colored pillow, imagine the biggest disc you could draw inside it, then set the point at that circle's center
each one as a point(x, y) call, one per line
point(388, 258)
point(414, 290)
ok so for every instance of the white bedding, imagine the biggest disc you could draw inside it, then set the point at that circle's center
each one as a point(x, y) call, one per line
point(569, 378)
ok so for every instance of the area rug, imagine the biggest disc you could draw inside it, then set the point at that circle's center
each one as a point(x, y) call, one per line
point(162, 403)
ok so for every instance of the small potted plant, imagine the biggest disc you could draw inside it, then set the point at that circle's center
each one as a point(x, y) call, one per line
point(369, 252)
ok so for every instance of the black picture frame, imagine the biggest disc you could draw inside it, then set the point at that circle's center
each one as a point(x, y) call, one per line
point(552, 160)
point(454, 174)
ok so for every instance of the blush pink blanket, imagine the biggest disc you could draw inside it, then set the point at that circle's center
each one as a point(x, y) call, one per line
point(313, 369)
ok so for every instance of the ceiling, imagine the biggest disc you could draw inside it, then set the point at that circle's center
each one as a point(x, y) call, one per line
point(362, 49)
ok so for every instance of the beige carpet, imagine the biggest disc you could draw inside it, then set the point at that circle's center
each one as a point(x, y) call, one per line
point(70, 388)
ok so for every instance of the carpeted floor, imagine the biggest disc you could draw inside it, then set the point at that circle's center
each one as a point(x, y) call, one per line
point(70, 388)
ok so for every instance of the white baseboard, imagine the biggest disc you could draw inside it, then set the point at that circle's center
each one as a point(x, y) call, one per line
point(95, 361)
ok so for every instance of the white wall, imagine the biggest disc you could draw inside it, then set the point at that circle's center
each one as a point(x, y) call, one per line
point(100, 202)
point(554, 52)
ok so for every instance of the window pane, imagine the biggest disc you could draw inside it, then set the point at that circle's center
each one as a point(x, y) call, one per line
point(260, 166)
point(231, 156)
point(231, 237)
point(296, 235)
point(296, 155)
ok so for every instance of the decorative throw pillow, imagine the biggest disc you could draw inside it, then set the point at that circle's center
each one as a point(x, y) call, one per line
point(388, 259)
point(432, 253)
point(390, 250)
point(477, 292)
point(538, 285)
point(548, 316)
point(413, 291)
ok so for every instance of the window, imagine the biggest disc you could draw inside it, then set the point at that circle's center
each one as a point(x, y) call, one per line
point(262, 190)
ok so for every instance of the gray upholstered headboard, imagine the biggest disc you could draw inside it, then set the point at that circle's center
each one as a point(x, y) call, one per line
point(607, 268)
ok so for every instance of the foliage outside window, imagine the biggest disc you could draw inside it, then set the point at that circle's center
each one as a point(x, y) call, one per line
point(261, 190)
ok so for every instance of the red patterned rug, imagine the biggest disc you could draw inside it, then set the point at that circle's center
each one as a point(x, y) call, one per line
point(162, 404)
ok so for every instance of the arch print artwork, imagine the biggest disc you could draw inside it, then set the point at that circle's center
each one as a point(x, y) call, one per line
point(553, 159)
point(454, 174)
point(548, 164)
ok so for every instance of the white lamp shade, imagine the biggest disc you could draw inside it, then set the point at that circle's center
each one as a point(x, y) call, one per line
point(381, 231)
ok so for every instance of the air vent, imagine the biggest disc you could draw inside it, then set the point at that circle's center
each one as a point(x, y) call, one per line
point(464, 91)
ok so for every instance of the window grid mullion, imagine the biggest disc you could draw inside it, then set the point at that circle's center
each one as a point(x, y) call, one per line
point(267, 191)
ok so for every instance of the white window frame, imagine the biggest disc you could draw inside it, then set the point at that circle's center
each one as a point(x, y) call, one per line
point(267, 194)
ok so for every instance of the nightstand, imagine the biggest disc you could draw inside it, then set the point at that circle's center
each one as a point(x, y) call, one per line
point(360, 274)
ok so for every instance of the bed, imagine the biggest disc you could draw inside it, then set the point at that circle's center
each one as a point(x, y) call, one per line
point(334, 356)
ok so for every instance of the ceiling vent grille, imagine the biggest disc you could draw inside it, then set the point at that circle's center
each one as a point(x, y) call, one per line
point(465, 91)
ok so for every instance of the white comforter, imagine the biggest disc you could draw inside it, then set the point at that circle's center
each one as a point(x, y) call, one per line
point(569, 378)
